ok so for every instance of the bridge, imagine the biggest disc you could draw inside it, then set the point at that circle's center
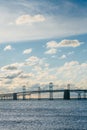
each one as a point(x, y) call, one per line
point(26, 94)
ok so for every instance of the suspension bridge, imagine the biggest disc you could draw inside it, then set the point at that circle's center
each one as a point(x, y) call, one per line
point(26, 94)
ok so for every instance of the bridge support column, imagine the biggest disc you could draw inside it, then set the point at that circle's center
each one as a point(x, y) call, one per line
point(24, 91)
point(39, 94)
point(67, 94)
point(79, 95)
point(84, 95)
point(29, 96)
point(51, 91)
point(14, 96)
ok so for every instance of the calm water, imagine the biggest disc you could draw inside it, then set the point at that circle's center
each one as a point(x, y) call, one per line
point(43, 115)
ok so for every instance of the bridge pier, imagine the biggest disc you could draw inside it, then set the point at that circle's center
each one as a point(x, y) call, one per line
point(24, 91)
point(79, 95)
point(39, 94)
point(67, 94)
point(84, 95)
point(14, 96)
point(29, 96)
point(51, 91)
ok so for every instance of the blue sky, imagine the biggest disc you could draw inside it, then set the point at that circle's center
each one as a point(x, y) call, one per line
point(42, 42)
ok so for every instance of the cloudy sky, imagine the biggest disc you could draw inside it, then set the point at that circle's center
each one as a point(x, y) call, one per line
point(43, 41)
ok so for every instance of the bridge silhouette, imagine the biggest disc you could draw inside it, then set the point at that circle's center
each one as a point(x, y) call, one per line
point(26, 94)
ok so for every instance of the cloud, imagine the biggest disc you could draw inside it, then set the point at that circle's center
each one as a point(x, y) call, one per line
point(63, 43)
point(27, 51)
point(28, 19)
point(8, 48)
point(52, 44)
point(51, 51)
point(13, 74)
point(11, 67)
point(69, 43)
point(73, 71)
point(63, 57)
point(59, 18)
point(72, 63)
point(26, 75)
point(33, 60)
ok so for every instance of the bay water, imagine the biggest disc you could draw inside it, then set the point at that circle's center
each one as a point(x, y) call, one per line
point(43, 115)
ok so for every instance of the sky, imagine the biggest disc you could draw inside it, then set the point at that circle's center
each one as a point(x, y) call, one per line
point(43, 42)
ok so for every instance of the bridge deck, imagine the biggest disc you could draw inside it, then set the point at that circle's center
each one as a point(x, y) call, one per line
point(44, 91)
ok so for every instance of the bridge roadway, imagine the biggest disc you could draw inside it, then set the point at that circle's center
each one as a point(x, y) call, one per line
point(10, 95)
point(56, 90)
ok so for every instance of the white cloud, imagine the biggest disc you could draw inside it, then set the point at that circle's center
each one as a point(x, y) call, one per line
point(13, 74)
point(26, 75)
point(51, 51)
point(51, 28)
point(33, 60)
point(39, 71)
point(69, 43)
point(28, 19)
point(63, 43)
point(63, 57)
point(27, 51)
point(52, 44)
point(73, 71)
point(8, 48)
point(11, 67)
point(56, 24)
point(72, 63)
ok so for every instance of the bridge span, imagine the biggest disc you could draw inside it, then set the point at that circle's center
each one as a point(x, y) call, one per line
point(27, 94)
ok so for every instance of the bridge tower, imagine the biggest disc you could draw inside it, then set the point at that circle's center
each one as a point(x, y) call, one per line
point(24, 91)
point(39, 94)
point(29, 95)
point(51, 91)
point(79, 95)
point(84, 95)
point(67, 92)
point(14, 96)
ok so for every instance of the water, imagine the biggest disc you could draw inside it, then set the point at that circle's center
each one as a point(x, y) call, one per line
point(43, 115)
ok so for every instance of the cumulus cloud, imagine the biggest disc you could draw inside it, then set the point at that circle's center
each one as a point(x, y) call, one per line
point(73, 71)
point(12, 78)
point(72, 63)
point(69, 43)
point(63, 43)
point(32, 60)
point(8, 48)
point(51, 51)
point(52, 46)
point(13, 74)
point(28, 19)
point(11, 67)
point(26, 75)
point(63, 57)
point(27, 51)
